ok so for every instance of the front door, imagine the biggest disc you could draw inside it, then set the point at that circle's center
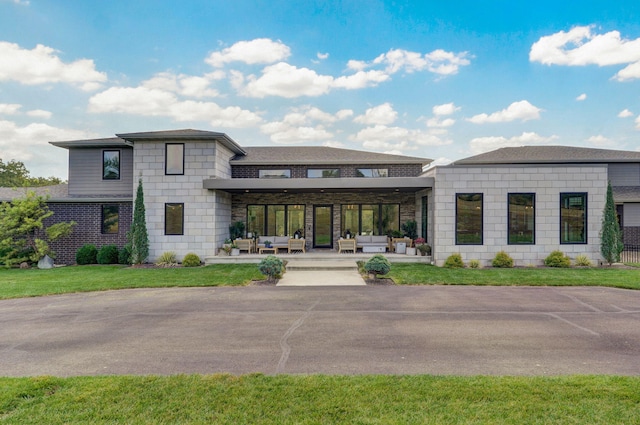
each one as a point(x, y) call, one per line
point(323, 226)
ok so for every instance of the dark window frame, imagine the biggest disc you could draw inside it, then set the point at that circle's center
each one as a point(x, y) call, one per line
point(533, 206)
point(380, 227)
point(167, 205)
point(585, 218)
point(457, 236)
point(104, 161)
point(166, 159)
point(103, 229)
point(266, 215)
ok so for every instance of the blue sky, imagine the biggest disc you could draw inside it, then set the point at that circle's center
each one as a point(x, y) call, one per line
point(441, 80)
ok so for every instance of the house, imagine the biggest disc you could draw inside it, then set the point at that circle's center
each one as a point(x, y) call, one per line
point(527, 201)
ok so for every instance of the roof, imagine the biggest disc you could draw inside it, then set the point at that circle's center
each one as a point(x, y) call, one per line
point(57, 193)
point(92, 143)
point(626, 193)
point(185, 134)
point(550, 155)
point(288, 155)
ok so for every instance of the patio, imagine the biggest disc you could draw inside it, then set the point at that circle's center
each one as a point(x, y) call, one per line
point(316, 255)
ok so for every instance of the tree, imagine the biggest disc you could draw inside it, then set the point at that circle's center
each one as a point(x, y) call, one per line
point(22, 236)
point(15, 174)
point(137, 236)
point(610, 234)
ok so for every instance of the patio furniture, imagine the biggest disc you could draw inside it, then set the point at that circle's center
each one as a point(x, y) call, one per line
point(297, 245)
point(407, 241)
point(265, 250)
point(276, 241)
point(244, 245)
point(346, 245)
point(372, 243)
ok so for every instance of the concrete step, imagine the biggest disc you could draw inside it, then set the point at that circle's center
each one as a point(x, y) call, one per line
point(335, 265)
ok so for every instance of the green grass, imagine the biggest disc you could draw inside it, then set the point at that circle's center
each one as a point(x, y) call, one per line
point(319, 399)
point(421, 274)
point(16, 283)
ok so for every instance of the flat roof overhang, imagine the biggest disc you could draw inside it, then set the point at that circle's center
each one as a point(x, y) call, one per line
point(327, 185)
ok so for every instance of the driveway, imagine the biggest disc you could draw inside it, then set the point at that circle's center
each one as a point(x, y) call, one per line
point(457, 330)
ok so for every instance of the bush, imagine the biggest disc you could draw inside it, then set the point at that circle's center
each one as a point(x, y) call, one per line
point(108, 254)
point(191, 260)
point(503, 260)
point(167, 259)
point(454, 261)
point(272, 267)
point(124, 256)
point(378, 264)
point(475, 264)
point(583, 261)
point(557, 259)
point(87, 254)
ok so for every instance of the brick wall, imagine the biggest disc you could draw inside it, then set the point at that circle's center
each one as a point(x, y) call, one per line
point(300, 171)
point(88, 230)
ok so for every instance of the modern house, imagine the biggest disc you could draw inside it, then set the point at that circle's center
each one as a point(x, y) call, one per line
point(526, 201)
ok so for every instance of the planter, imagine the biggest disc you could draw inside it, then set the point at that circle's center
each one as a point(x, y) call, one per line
point(235, 252)
point(222, 253)
point(411, 251)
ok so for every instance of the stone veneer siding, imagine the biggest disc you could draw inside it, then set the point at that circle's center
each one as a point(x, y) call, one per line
point(89, 227)
point(407, 203)
point(300, 171)
point(495, 182)
point(207, 213)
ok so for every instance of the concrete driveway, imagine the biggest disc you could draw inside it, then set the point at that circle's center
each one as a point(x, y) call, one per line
point(330, 330)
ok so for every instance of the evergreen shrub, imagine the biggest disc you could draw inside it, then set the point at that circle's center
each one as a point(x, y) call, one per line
point(87, 254)
point(108, 254)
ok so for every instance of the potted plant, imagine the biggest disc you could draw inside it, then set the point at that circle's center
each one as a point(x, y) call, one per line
point(298, 234)
point(234, 249)
point(347, 234)
point(236, 230)
point(422, 247)
point(410, 229)
point(267, 244)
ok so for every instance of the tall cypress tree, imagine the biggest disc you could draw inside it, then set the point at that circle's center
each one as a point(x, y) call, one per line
point(138, 236)
point(610, 234)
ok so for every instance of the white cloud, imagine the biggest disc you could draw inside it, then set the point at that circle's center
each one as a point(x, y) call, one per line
point(439, 161)
point(381, 137)
point(185, 85)
point(485, 144)
point(333, 144)
point(258, 51)
point(322, 56)
point(522, 110)
point(360, 79)
point(155, 102)
point(438, 61)
point(625, 113)
point(287, 81)
point(637, 121)
point(437, 122)
point(41, 66)
point(381, 114)
point(445, 109)
point(579, 47)
point(9, 108)
point(601, 141)
point(40, 113)
point(305, 124)
point(582, 97)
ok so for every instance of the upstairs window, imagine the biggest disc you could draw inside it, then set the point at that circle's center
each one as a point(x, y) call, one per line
point(573, 218)
point(110, 165)
point(323, 173)
point(522, 221)
point(274, 174)
point(174, 159)
point(372, 172)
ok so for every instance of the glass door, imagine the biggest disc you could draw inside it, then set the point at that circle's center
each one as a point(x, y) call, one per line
point(323, 226)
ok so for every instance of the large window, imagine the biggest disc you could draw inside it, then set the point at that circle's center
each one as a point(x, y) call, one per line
point(276, 220)
point(274, 174)
point(522, 221)
point(110, 219)
point(573, 218)
point(469, 219)
point(372, 172)
point(174, 159)
point(324, 173)
point(174, 219)
point(110, 165)
point(370, 219)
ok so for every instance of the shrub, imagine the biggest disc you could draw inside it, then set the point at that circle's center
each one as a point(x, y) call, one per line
point(454, 261)
point(424, 249)
point(271, 266)
point(87, 254)
point(475, 264)
point(108, 254)
point(191, 260)
point(557, 259)
point(167, 259)
point(583, 261)
point(378, 264)
point(503, 260)
point(124, 256)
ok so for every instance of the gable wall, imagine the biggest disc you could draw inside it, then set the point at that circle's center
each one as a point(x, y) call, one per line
point(85, 173)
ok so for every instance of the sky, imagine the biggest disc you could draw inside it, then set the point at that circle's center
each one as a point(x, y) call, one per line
point(441, 80)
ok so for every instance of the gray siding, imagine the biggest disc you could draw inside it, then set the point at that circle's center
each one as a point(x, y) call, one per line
point(624, 174)
point(85, 173)
point(631, 215)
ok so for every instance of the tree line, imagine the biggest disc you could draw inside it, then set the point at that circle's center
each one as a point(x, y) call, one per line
point(15, 174)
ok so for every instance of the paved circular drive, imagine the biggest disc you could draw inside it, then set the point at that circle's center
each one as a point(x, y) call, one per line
point(332, 330)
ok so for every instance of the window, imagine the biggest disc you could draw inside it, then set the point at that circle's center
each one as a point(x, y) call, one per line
point(274, 174)
point(325, 173)
point(174, 159)
point(425, 217)
point(469, 219)
point(372, 172)
point(174, 219)
point(276, 220)
point(111, 165)
point(110, 218)
point(573, 218)
point(522, 221)
point(370, 219)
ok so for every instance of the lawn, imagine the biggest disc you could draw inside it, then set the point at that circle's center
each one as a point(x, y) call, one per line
point(319, 399)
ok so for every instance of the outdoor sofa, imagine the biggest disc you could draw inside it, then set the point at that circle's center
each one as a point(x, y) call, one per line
point(372, 243)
